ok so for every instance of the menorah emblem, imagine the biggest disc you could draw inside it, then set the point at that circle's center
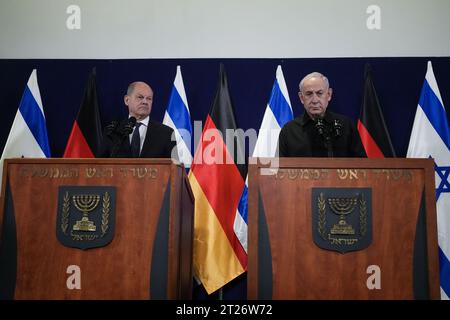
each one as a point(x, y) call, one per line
point(85, 203)
point(342, 207)
point(341, 218)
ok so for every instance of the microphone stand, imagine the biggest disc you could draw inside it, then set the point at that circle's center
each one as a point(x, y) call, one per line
point(329, 146)
point(325, 134)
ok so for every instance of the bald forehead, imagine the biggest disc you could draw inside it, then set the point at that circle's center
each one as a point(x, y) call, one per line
point(139, 86)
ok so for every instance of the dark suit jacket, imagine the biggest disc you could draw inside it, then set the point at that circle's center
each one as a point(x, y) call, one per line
point(157, 144)
point(300, 138)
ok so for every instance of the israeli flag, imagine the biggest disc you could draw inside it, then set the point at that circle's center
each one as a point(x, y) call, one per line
point(28, 137)
point(430, 137)
point(177, 117)
point(278, 112)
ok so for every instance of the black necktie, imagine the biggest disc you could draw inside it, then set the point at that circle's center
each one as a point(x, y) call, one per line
point(136, 141)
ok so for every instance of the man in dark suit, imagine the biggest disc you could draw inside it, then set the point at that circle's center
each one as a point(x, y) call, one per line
point(138, 136)
point(319, 132)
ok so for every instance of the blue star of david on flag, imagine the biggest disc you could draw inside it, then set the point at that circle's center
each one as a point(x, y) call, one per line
point(444, 185)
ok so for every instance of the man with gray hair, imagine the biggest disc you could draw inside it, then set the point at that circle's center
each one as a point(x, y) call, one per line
point(138, 136)
point(319, 132)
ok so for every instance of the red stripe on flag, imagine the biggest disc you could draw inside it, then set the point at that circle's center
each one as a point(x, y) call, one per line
point(371, 147)
point(222, 185)
point(77, 146)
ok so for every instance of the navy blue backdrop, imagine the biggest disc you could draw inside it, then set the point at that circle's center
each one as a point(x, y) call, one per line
point(398, 82)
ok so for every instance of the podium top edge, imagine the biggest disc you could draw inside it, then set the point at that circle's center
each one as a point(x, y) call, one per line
point(109, 161)
point(317, 163)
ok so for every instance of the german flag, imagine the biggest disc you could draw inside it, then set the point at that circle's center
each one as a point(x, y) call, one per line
point(86, 136)
point(371, 125)
point(217, 180)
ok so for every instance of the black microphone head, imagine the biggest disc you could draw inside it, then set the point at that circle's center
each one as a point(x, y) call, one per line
point(128, 126)
point(320, 126)
point(132, 121)
point(337, 126)
point(112, 127)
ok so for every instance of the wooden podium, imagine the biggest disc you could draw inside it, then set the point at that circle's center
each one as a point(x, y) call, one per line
point(96, 229)
point(342, 229)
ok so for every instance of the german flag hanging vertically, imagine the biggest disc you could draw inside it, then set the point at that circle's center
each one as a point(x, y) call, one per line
point(217, 180)
point(371, 126)
point(86, 135)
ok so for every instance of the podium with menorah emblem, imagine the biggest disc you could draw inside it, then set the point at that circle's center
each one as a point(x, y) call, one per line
point(96, 229)
point(337, 228)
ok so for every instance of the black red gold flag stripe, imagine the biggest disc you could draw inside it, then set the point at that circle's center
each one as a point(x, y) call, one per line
point(371, 125)
point(217, 180)
point(86, 135)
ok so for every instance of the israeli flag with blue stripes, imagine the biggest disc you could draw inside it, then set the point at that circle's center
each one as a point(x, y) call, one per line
point(278, 112)
point(177, 117)
point(28, 137)
point(430, 137)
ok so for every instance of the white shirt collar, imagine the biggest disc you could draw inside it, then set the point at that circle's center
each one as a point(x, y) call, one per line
point(144, 121)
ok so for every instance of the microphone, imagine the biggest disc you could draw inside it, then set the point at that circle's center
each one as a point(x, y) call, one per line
point(337, 127)
point(119, 132)
point(111, 128)
point(320, 126)
point(324, 131)
point(128, 126)
point(118, 128)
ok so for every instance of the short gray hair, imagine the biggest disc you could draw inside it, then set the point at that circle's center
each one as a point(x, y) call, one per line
point(314, 75)
point(130, 88)
point(132, 85)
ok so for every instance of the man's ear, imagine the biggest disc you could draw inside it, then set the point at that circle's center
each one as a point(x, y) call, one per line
point(126, 99)
point(301, 97)
point(330, 93)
